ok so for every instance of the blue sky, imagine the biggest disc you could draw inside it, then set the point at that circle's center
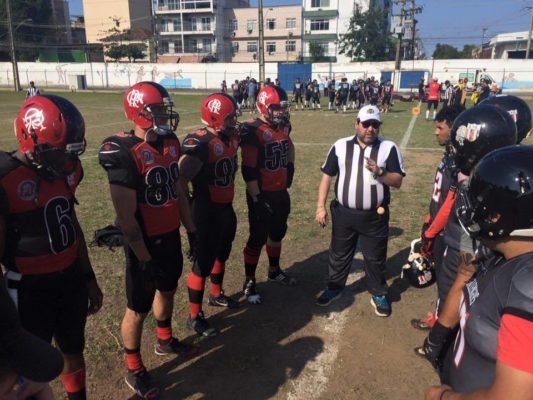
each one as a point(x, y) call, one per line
point(454, 22)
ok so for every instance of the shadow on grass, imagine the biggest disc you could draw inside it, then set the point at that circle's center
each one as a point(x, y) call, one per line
point(259, 348)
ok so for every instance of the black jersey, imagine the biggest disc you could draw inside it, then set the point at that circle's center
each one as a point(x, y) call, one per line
point(496, 324)
point(445, 180)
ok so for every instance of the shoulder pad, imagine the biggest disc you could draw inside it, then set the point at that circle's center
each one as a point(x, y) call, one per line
point(112, 151)
point(7, 163)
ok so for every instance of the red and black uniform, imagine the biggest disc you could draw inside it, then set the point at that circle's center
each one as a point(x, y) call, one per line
point(151, 169)
point(41, 251)
point(496, 324)
point(214, 217)
point(433, 95)
point(265, 159)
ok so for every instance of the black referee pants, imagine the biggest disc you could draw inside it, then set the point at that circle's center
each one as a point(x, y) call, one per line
point(371, 230)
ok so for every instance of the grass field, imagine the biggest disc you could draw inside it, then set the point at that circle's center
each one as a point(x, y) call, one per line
point(237, 359)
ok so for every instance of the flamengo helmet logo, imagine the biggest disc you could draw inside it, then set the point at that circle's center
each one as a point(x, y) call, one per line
point(214, 106)
point(135, 98)
point(34, 119)
point(262, 98)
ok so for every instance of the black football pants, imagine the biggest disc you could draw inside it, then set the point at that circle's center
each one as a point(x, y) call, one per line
point(371, 230)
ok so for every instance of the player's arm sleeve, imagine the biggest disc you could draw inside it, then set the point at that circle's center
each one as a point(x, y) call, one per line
point(331, 165)
point(515, 336)
point(195, 147)
point(394, 161)
point(249, 154)
point(441, 219)
point(118, 163)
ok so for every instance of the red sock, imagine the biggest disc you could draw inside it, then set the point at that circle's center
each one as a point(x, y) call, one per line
point(273, 253)
point(134, 362)
point(163, 330)
point(195, 284)
point(217, 276)
point(74, 382)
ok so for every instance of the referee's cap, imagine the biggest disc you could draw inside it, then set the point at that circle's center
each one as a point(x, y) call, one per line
point(369, 112)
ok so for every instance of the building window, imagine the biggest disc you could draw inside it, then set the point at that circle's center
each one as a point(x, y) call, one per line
point(163, 49)
point(235, 47)
point(271, 47)
point(207, 46)
point(192, 46)
point(177, 25)
point(251, 47)
point(319, 3)
point(290, 45)
point(251, 25)
point(320, 24)
point(178, 46)
point(206, 24)
point(271, 24)
point(290, 23)
point(233, 26)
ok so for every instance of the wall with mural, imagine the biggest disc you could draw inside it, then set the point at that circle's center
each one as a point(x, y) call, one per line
point(511, 75)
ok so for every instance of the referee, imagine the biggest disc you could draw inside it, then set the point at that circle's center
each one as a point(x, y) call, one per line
point(365, 166)
point(32, 90)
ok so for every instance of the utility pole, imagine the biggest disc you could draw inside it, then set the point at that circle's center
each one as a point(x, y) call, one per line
point(413, 11)
point(529, 35)
point(261, 44)
point(483, 30)
point(398, 63)
point(16, 79)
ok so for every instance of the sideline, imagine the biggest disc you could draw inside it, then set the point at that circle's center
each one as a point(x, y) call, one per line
point(409, 130)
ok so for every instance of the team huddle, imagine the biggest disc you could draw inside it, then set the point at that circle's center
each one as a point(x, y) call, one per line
point(476, 242)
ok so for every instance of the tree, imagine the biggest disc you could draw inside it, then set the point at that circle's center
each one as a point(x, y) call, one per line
point(316, 49)
point(467, 50)
point(445, 52)
point(27, 37)
point(368, 38)
point(118, 43)
point(135, 51)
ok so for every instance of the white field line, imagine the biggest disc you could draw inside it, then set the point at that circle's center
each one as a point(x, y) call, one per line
point(407, 135)
point(313, 381)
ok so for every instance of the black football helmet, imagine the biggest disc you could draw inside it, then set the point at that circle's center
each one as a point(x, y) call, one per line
point(419, 270)
point(499, 198)
point(519, 111)
point(477, 131)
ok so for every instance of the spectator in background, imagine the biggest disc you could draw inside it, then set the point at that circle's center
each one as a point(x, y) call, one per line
point(447, 96)
point(224, 87)
point(484, 90)
point(252, 93)
point(32, 90)
point(421, 90)
point(277, 82)
point(465, 88)
point(458, 94)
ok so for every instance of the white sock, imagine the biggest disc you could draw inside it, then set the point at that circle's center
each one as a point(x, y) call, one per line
point(427, 114)
point(434, 114)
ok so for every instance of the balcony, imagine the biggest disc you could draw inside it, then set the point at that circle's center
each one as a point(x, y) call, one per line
point(185, 6)
point(188, 28)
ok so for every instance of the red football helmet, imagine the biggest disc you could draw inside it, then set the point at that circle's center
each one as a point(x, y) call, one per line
point(273, 104)
point(148, 105)
point(51, 133)
point(216, 109)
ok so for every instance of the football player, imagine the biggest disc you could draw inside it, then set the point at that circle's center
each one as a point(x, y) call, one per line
point(441, 204)
point(49, 274)
point(316, 95)
point(209, 161)
point(331, 94)
point(492, 355)
point(386, 96)
point(475, 132)
point(297, 94)
point(268, 170)
point(142, 169)
point(342, 95)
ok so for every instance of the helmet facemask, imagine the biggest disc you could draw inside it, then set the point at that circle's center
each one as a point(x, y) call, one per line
point(279, 115)
point(164, 120)
point(53, 162)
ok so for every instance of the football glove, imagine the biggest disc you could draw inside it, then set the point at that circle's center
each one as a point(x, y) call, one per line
point(111, 236)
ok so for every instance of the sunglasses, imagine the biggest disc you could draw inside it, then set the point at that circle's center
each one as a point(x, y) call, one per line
point(371, 123)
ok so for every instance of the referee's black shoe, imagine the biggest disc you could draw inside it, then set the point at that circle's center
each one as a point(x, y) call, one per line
point(328, 296)
point(381, 306)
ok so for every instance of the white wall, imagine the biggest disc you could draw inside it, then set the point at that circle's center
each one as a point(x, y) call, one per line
point(516, 74)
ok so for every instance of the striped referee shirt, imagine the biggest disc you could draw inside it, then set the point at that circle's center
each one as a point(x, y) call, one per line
point(33, 91)
point(356, 186)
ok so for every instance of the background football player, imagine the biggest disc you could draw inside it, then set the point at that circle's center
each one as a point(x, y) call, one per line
point(209, 161)
point(268, 170)
point(49, 274)
point(142, 169)
point(492, 355)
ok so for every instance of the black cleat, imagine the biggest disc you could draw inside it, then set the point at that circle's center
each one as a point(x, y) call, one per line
point(223, 301)
point(200, 325)
point(249, 291)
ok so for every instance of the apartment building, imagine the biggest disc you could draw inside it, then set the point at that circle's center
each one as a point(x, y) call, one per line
point(191, 30)
point(282, 34)
point(100, 18)
point(325, 21)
